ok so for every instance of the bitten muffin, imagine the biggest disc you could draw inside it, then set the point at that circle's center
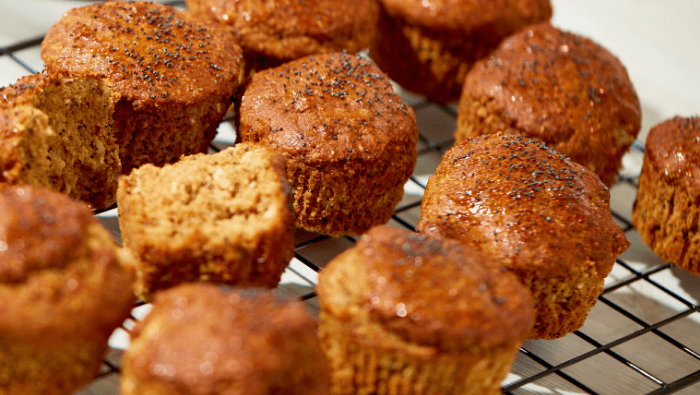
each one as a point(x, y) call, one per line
point(407, 313)
point(560, 88)
point(201, 340)
point(176, 76)
point(223, 218)
point(56, 131)
point(348, 138)
point(545, 217)
point(667, 208)
point(428, 47)
point(279, 31)
point(64, 287)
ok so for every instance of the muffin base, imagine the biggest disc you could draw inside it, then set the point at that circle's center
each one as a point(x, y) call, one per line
point(60, 368)
point(562, 304)
point(666, 217)
point(425, 62)
point(336, 202)
point(362, 368)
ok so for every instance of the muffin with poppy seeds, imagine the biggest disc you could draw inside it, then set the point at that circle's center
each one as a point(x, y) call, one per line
point(666, 210)
point(545, 217)
point(65, 286)
point(278, 31)
point(199, 339)
point(558, 87)
point(428, 46)
point(407, 313)
point(348, 138)
point(57, 132)
point(176, 76)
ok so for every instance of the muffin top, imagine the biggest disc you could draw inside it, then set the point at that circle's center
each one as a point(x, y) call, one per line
point(673, 147)
point(524, 201)
point(327, 108)
point(559, 87)
point(497, 16)
point(290, 29)
point(426, 290)
point(201, 340)
point(61, 274)
point(153, 54)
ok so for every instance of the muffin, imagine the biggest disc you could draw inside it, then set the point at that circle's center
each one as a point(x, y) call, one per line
point(560, 88)
point(176, 76)
point(201, 340)
point(275, 32)
point(546, 218)
point(407, 313)
point(348, 138)
point(428, 47)
point(222, 218)
point(666, 210)
point(64, 287)
point(56, 132)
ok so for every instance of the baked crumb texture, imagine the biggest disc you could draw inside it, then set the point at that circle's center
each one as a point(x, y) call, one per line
point(405, 313)
point(348, 138)
point(545, 217)
point(563, 89)
point(56, 131)
point(176, 76)
point(200, 339)
point(275, 32)
point(223, 218)
point(666, 210)
point(428, 50)
point(64, 287)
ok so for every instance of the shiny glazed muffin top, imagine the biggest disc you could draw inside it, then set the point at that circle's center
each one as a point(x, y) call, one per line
point(203, 340)
point(556, 85)
point(524, 201)
point(673, 147)
point(426, 290)
point(151, 52)
point(39, 229)
point(499, 16)
point(326, 108)
point(289, 29)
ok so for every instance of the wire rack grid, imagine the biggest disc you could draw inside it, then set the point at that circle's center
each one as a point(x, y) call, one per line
point(640, 338)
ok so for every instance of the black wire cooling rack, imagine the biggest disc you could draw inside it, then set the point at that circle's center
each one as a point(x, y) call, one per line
point(640, 338)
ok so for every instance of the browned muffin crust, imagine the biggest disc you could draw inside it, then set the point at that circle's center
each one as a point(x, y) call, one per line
point(429, 48)
point(563, 89)
point(201, 340)
point(668, 197)
point(56, 131)
point(222, 218)
point(547, 218)
point(348, 138)
point(176, 75)
point(279, 31)
point(64, 288)
point(444, 315)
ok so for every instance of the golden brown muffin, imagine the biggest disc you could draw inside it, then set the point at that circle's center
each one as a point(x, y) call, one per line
point(56, 131)
point(428, 46)
point(279, 31)
point(666, 210)
point(64, 287)
point(348, 138)
point(200, 340)
point(560, 88)
point(545, 217)
point(405, 313)
point(176, 76)
point(222, 218)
